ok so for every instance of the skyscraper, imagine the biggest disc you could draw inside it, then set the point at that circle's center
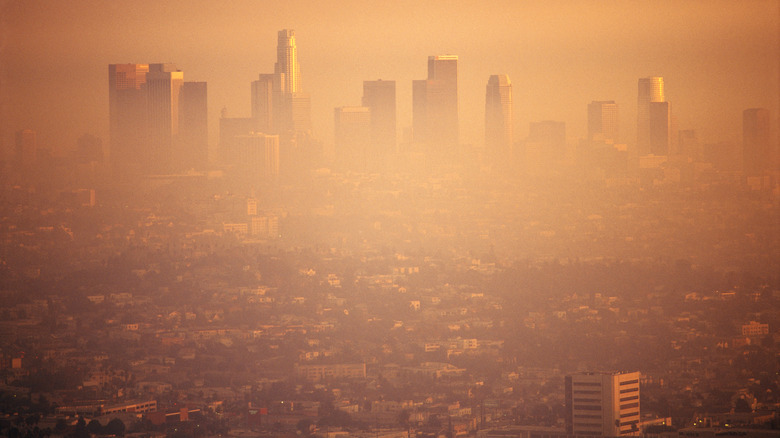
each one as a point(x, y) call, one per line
point(758, 156)
point(435, 104)
point(602, 404)
point(651, 89)
point(163, 85)
point(263, 102)
point(127, 114)
point(498, 116)
point(146, 114)
point(660, 128)
point(603, 121)
point(287, 61)
point(379, 97)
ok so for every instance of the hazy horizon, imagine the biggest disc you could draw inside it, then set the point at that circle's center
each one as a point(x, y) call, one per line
point(718, 58)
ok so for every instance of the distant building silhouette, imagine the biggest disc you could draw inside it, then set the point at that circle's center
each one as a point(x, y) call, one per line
point(379, 97)
point(650, 90)
point(660, 128)
point(602, 404)
point(146, 113)
point(435, 105)
point(757, 153)
point(279, 106)
point(263, 99)
point(603, 121)
point(498, 117)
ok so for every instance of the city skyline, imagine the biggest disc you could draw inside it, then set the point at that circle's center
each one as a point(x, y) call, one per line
point(560, 72)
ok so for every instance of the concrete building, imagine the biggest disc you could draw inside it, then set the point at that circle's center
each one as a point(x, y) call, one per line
point(602, 404)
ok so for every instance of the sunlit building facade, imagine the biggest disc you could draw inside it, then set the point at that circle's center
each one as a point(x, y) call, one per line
point(287, 61)
point(650, 89)
point(602, 404)
point(498, 116)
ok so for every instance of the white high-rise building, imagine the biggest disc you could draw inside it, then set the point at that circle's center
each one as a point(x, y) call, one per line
point(602, 404)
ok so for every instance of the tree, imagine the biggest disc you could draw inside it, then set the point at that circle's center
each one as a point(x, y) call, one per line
point(115, 427)
point(94, 427)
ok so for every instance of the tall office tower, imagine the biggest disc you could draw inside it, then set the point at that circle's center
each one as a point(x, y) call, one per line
point(127, 114)
point(435, 104)
point(263, 102)
point(287, 61)
point(660, 128)
point(498, 117)
point(192, 150)
point(163, 86)
point(352, 129)
point(300, 112)
point(602, 404)
point(379, 97)
point(758, 156)
point(650, 90)
point(603, 121)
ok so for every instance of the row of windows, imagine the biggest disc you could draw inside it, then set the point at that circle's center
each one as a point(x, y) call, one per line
point(586, 400)
point(587, 416)
point(587, 408)
point(591, 425)
point(586, 383)
point(623, 391)
point(629, 414)
point(629, 406)
point(625, 399)
point(582, 391)
point(629, 382)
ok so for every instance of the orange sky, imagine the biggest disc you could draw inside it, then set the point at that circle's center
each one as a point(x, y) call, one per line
point(717, 57)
